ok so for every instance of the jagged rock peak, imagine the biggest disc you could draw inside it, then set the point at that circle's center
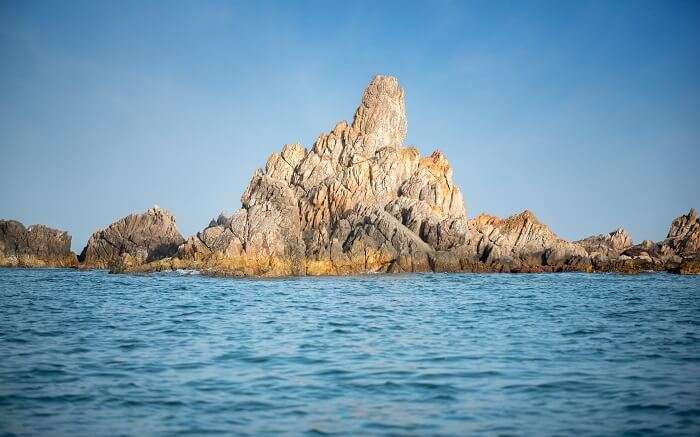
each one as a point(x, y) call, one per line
point(683, 224)
point(381, 117)
point(356, 201)
point(684, 234)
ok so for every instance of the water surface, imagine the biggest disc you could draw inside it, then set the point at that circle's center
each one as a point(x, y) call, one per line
point(88, 353)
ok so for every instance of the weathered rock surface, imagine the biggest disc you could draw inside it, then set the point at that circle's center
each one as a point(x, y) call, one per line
point(681, 243)
point(607, 245)
point(360, 201)
point(688, 266)
point(357, 201)
point(684, 235)
point(133, 240)
point(35, 246)
point(522, 243)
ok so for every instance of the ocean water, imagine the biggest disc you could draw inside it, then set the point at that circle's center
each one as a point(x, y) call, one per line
point(89, 353)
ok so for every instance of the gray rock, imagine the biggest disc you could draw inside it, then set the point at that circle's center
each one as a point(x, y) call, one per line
point(137, 238)
point(684, 235)
point(356, 201)
point(607, 245)
point(682, 241)
point(359, 201)
point(35, 246)
point(523, 243)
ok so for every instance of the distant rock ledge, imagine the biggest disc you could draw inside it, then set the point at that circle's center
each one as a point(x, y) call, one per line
point(35, 246)
point(359, 201)
point(134, 240)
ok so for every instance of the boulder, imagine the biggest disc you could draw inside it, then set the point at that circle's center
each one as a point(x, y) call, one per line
point(35, 246)
point(134, 240)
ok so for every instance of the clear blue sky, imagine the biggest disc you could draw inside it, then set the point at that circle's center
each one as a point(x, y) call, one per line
point(587, 113)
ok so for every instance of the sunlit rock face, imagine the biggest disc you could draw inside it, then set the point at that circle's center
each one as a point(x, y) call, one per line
point(360, 201)
point(135, 239)
point(682, 241)
point(607, 245)
point(522, 243)
point(35, 246)
point(684, 235)
point(357, 201)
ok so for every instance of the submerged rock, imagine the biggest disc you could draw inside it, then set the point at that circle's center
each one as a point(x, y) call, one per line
point(35, 246)
point(134, 240)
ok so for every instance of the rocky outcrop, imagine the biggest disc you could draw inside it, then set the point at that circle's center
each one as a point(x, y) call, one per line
point(357, 201)
point(35, 246)
point(360, 201)
point(688, 266)
point(677, 253)
point(607, 246)
point(684, 235)
point(133, 240)
point(681, 243)
point(521, 243)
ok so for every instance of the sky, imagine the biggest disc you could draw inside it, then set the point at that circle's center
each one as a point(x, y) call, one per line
point(586, 113)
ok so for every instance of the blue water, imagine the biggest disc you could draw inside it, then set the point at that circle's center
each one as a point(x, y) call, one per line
point(88, 353)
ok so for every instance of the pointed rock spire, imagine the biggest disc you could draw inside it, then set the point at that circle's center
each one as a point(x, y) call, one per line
point(381, 117)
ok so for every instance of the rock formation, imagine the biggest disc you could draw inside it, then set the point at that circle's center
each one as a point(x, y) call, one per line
point(360, 201)
point(35, 246)
point(522, 243)
point(688, 266)
point(684, 236)
point(357, 201)
point(682, 241)
point(607, 245)
point(133, 240)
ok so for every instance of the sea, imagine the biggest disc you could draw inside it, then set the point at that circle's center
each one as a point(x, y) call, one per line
point(88, 353)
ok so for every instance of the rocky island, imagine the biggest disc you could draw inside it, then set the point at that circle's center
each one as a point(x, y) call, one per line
point(35, 246)
point(357, 201)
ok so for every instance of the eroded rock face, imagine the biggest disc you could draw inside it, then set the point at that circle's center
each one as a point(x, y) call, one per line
point(134, 240)
point(607, 245)
point(381, 116)
point(689, 266)
point(357, 201)
point(522, 243)
point(684, 235)
point(682, 241)
point(35, 246)
point(360, 201)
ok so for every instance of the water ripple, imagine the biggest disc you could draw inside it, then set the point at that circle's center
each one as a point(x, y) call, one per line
point(87, 353)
